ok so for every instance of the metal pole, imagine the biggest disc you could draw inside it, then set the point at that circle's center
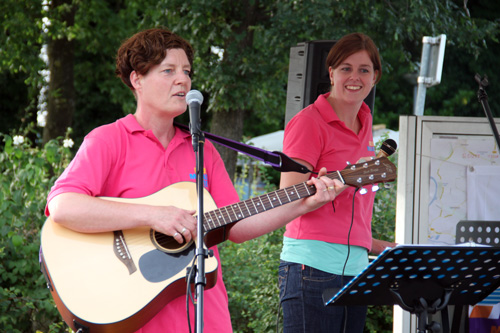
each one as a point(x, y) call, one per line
point(421, 80)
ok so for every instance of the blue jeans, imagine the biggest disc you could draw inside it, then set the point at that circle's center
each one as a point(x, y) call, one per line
point(301, 290)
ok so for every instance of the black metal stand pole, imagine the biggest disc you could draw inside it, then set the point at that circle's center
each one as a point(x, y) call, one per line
point(201, 253)
point(483, 99)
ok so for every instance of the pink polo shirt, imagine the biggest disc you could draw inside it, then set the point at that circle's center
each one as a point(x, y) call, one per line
point(317, 136)
point(124, 160)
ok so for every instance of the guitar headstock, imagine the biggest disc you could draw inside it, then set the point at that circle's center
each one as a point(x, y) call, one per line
point(379, 170)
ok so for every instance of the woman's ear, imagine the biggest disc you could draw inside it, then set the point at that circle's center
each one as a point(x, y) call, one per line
point(375, 77)
point(135, 80)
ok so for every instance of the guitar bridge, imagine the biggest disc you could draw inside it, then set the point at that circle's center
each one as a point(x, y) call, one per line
point(122, 252)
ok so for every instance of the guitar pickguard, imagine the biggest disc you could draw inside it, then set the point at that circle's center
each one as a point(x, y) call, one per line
point(158, 266)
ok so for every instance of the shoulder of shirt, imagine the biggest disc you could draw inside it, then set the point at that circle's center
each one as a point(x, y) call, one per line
point(102, 130)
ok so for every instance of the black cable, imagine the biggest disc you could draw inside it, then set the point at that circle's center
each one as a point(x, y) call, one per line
point(278, 317)
point(189, 294)
point(348, 253)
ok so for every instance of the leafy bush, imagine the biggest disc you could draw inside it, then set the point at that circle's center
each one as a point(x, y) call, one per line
point(26, 176)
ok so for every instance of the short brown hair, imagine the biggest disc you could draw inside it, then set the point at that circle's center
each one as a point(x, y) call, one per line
point(350, 44)
point(146, 49)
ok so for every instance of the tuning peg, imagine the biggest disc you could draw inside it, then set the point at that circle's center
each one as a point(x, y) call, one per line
point(375, 188)
point(387, 185)
point(363, 191)
point(348, 163)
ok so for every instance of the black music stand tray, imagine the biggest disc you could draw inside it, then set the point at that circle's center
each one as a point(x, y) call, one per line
point(423, 279)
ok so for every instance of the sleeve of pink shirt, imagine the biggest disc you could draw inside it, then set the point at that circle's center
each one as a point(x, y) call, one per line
point(86, 172)
point(301, 139)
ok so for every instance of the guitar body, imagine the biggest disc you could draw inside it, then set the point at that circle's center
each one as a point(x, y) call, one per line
point(110, 282)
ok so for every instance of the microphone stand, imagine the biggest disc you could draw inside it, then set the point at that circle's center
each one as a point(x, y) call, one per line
point(483, 99)
point(200, 252)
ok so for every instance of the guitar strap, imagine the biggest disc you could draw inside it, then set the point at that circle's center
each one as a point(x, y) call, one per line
point(276, 159)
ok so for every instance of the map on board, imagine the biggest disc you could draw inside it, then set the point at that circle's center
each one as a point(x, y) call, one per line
point(453, 160)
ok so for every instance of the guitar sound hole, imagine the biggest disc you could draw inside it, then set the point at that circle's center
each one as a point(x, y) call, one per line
point(166, 243)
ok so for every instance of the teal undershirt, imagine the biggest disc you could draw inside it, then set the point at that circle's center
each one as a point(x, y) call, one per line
point(328, 257)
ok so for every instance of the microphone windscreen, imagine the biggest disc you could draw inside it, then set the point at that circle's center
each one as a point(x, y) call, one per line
point(389, 147)
point(194, 96)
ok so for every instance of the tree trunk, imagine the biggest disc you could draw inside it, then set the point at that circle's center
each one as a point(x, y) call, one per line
point(229, 125)
point(61, 98)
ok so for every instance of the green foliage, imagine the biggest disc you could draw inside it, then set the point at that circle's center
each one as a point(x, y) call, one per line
point(251, 276)
point(25, 178)
point(251, 269)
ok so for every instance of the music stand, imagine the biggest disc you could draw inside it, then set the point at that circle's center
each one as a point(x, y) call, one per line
point(423, 279)
point(480, 232)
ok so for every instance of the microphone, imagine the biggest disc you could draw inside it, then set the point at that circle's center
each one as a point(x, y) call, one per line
point(387, 148)
point(194, 98)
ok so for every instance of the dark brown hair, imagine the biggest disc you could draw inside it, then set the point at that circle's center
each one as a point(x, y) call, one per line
point(350, 44)
point(146, 49)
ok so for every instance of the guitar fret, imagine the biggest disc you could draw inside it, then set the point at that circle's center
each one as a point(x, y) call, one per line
point(299, 189)
point(278, 196)
point(216, 218)
point(238, 216)
point(261, 204)
point(269, 201)
point(266, 202)
point(286, 192)
point(221, 215)
point(233, 213)
point(227, 214)
point(307, 189)
point(208, 220)
point(244, 209)
point(212, 218)
point(272, 200)
point(255, 205)
point(285, 196)
point(296, 191)
point(252, 208)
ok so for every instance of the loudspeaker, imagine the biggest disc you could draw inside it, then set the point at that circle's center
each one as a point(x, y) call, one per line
point(308, 76)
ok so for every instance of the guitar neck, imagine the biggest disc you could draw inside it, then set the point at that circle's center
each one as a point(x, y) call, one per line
point(374, 171)
point(243, 209)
